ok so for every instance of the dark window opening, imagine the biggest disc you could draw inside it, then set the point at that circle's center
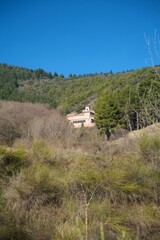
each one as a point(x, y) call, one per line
point(79, 121)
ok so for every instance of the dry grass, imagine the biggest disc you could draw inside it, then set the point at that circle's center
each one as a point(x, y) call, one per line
point(60, 184)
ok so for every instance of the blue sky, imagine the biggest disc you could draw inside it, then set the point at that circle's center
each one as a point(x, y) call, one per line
point(77, 36)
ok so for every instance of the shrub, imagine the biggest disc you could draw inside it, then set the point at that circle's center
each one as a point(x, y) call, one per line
point(86, 175)
point(150, 149)
point(54, 128)
point(11, 160)
point(35, 186)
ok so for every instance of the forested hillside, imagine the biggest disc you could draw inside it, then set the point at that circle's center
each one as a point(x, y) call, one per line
point(70, 93)
point(130, 100)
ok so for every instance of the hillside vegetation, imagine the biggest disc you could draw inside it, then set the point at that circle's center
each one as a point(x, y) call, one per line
point(60, 183)
point(69, 94)
point(129, 100)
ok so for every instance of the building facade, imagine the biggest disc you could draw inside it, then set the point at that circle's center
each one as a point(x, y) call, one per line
point(85, 118)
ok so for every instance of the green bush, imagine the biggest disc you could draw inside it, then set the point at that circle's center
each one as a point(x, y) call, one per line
point(11, 160)
point(36, 185)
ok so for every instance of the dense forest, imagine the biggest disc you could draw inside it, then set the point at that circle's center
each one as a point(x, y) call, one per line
point(129, 99)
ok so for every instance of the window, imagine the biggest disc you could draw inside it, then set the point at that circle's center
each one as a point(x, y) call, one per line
point(79, 121)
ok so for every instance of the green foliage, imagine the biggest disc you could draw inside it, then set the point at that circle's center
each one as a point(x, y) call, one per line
point(40, 151)
point(131, 105)
point(11, 161)
point(127, 88)
point(55, 75)
point(39, 185)
point(107, 112)
point(87, 176)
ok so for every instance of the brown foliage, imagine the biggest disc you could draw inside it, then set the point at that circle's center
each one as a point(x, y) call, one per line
point(29, 120)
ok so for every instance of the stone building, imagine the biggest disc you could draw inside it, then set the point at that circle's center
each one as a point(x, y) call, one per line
point(85, 118)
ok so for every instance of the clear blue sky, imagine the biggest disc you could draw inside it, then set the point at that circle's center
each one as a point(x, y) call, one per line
point(77, 36)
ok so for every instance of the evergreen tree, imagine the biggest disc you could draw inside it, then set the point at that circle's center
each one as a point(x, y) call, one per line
point(55, 75)
point(61, 75)
point(107, 113)
point(70, 75)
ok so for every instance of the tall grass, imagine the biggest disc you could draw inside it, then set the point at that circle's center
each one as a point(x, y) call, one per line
point(56, 189)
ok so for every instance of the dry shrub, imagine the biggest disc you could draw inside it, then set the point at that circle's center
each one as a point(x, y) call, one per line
point(133, 141)
point(69, 231)
point(30, 121)
point(89, 140)
point(40, 223)
point(14, 119)
point(54, 128)
point(150, 149)
point(56, 185)
point(33, 197)
point(142, 220)
point(8, 228)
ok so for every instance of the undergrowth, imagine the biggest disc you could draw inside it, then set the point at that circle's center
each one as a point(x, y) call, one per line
point(55, 192)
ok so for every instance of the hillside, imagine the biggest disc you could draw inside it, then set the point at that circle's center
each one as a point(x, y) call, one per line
point(57, 182)
point(68, 94)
